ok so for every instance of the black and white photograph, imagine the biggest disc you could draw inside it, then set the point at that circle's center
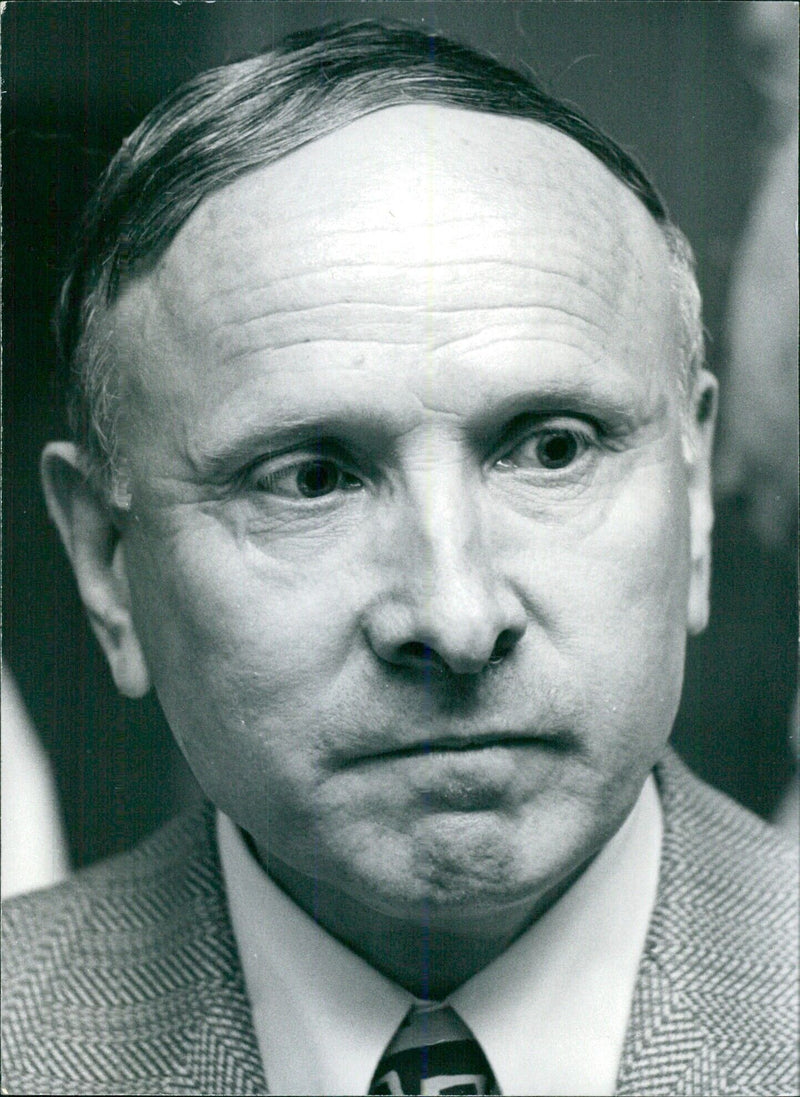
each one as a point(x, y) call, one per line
point(400, 547)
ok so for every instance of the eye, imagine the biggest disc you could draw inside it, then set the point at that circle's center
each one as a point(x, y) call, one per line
point(316, 478)
point(551, 446)
point(304, 478)
point(555, 449)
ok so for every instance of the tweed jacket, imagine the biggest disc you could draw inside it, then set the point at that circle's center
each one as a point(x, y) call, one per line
point(126, 979)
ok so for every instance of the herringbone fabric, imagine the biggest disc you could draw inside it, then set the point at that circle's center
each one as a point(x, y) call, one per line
point(715, 1009)
point(126, 980)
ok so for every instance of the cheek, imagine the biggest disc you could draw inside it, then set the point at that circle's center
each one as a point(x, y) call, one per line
point(202, 593)
point(238, 645)
point(626, 613)
point(648, 544)
point(634, 551)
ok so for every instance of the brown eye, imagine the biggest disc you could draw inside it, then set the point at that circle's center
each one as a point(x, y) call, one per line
point(552, 446)
point(298, 477)
point(556, 449)
point(316, 478)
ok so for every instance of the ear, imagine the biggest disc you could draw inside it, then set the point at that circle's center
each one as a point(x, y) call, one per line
point(85, 521)
point(698, 445)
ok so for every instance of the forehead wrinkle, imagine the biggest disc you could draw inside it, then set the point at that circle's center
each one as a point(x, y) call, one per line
point(468, 345)
point(330, 257)
point(202, 288)
point(377, 311)
point(531, 173)
point(562, 368)
point(465, 274)
point(295, 300)
point(521, 187)
point(432, 346)
point(267, 336)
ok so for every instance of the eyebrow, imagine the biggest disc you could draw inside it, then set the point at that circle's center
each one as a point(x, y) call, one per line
point(258, 440)
point(219, 464)
point(357, 426)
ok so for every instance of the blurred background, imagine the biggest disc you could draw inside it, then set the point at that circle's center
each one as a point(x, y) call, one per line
point(703, 95)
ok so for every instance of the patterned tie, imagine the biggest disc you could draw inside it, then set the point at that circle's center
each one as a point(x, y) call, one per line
point(433, 1052)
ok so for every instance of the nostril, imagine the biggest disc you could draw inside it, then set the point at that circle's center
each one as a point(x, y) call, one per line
point(414, 650)
point(421, 656)
point(414, 654)
point(505, 644)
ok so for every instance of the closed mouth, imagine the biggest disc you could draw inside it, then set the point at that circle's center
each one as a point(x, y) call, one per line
point(458, 744)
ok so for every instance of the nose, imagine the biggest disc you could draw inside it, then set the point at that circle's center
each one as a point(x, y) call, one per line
point(443, 600)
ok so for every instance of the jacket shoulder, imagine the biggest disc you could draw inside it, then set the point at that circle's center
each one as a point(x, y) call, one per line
point(132, 893)
point(717, 852)
point(114, 980)
point(717, 1001)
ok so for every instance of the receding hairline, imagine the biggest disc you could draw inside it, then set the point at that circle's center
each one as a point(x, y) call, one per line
point(230, 120)
point(483, 164)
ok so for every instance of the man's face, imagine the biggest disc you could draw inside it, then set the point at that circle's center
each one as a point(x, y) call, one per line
point(409, 547)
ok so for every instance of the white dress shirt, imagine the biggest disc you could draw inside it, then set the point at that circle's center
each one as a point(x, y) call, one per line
point(550, 1012)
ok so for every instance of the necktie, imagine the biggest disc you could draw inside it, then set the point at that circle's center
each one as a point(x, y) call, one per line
point(433, 1052)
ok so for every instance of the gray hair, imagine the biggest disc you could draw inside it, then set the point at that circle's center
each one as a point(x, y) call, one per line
point(232, 119)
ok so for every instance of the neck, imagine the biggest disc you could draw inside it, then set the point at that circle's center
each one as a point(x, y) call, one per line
point(429, 955)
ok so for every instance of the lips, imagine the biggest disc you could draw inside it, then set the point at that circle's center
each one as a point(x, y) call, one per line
point(470, 743)
point(460, 744)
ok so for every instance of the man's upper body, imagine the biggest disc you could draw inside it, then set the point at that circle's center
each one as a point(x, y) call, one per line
point(566, 982)
point(392, 479)
point(129, 979)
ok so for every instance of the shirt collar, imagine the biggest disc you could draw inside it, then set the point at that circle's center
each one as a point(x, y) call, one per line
point(550, 1012)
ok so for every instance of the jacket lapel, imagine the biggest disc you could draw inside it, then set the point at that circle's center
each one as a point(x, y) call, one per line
point(220, 1050)
point(669, 1048)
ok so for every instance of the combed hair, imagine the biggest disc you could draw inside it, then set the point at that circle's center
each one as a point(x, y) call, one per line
point(232, 119)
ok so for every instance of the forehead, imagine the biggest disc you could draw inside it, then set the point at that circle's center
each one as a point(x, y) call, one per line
point(407, 214)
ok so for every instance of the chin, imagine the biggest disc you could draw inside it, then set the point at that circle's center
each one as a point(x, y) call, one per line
point(457, 865)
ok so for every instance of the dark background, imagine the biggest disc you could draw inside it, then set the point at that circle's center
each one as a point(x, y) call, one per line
point(668, 80)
